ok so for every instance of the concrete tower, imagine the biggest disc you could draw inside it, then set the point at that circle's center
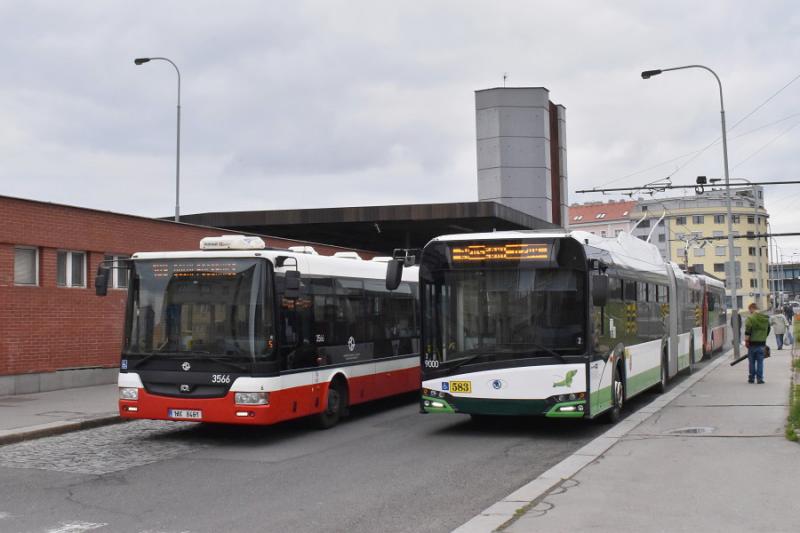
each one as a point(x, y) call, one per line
point(522, 151)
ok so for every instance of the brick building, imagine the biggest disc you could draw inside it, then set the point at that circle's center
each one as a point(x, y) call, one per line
point(54, 332)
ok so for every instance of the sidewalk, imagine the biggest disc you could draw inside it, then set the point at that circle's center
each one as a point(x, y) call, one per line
point(709, 455)
point(26, 416)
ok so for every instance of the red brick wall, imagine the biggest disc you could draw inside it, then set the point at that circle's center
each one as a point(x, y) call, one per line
point(47, 328)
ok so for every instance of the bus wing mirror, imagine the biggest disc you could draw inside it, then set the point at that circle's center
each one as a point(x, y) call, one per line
point(600, 290)
point(292, 285)
point(101, 280)
point(394, 273)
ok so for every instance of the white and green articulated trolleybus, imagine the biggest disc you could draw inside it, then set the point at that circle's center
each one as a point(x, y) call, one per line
point(552, 323)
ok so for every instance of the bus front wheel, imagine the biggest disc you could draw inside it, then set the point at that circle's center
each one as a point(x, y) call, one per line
point(617, 397)
point(334, 407)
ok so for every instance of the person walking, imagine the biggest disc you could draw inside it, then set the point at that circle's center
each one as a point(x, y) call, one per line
point(780, 327)
point(788, 312)
point(756, 331)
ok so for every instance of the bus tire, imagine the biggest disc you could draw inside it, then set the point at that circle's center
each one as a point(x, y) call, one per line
point(617, 396)
point(335, 405)
point(661, 386)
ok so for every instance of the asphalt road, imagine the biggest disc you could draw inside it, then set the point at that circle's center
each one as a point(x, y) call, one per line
point(386, 468)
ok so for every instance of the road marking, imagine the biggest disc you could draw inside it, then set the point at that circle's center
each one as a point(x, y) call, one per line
point(76, 527)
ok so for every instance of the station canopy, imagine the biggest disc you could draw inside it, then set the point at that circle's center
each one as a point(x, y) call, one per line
point(376, 228)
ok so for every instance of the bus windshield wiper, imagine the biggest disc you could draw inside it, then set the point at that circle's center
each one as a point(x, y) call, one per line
point(546, 349)
point(467, 361)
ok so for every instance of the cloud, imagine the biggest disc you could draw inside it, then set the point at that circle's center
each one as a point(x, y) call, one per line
point(312, 104)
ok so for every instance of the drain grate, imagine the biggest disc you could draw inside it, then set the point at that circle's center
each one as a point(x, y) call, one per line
point(699, 430)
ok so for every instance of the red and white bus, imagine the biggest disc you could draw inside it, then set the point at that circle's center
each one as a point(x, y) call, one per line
point(238, 333)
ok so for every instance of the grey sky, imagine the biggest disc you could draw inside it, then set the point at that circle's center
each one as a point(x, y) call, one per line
point(312, 104)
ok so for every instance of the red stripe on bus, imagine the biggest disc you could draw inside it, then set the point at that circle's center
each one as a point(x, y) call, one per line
point(283, 405)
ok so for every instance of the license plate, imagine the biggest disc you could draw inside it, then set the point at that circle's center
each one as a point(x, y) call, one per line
point(464, 387)
point(190, 414)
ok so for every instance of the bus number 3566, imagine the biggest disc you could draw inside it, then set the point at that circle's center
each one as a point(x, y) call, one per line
point(221, 378)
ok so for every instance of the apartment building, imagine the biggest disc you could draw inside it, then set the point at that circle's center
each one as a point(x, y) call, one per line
point(692, 230)
point(606, 219)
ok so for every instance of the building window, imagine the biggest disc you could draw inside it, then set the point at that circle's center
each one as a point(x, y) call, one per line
point(680, 236)
point(751, 219)
point(71, 269)
point(578, 217)
point(26, 266)
point(681, 252)
point(751, 267)
point(119, 276)
point(697, 219)
point(602, 233)
point(719, 267)
point(644, 223)
point(719, 250)
point(617, 232)
point(751, 250)
point(717, 234)
point(681, 221)
point(697, 235)
point(750, 235)
point(699, 252)
point(719, 219)
point(753, 283)
point(644, 208)
point(662, 237)
point(736, 219)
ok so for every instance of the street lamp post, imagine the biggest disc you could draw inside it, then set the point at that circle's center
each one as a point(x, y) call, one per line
point(731, 278)
point(141, 61)
point(756, 215)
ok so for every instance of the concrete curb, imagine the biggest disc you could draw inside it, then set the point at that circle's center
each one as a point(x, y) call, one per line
point(503, 513)
point(11, 436)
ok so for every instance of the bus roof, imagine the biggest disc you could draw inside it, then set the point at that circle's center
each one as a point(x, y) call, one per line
point(311, 264)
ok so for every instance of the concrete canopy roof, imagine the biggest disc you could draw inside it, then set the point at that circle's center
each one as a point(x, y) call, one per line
point(377, 228)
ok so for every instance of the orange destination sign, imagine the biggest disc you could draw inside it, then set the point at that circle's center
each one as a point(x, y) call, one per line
point(500, 252)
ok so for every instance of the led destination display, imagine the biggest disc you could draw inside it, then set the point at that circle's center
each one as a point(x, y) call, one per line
point(500, 252)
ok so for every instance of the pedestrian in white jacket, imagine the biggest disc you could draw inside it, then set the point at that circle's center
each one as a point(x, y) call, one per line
point(779, 325)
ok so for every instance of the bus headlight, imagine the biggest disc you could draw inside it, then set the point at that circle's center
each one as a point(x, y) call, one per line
point(251, 398)
point(128, 393)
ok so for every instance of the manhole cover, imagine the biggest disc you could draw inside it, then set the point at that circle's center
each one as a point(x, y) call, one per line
point(700, 430)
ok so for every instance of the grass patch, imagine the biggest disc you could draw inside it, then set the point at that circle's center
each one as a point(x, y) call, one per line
point(793, 427)
point(796, 363)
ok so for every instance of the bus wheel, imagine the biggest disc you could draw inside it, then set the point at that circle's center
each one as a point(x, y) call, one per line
point(617, 397)
point(661, 387)
point(335, 407)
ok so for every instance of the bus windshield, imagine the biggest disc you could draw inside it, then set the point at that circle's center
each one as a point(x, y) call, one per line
point(502, 314)
point(202, 307)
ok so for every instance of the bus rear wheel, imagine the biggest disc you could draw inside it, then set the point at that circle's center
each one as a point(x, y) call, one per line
point(335, 407)
point(661, 386)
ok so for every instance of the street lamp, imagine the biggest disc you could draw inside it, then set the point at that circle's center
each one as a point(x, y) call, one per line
point(142, 61)
point(647, 74)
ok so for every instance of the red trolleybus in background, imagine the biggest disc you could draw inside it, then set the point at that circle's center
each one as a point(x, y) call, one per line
point(714, 314)
point(238, 333)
